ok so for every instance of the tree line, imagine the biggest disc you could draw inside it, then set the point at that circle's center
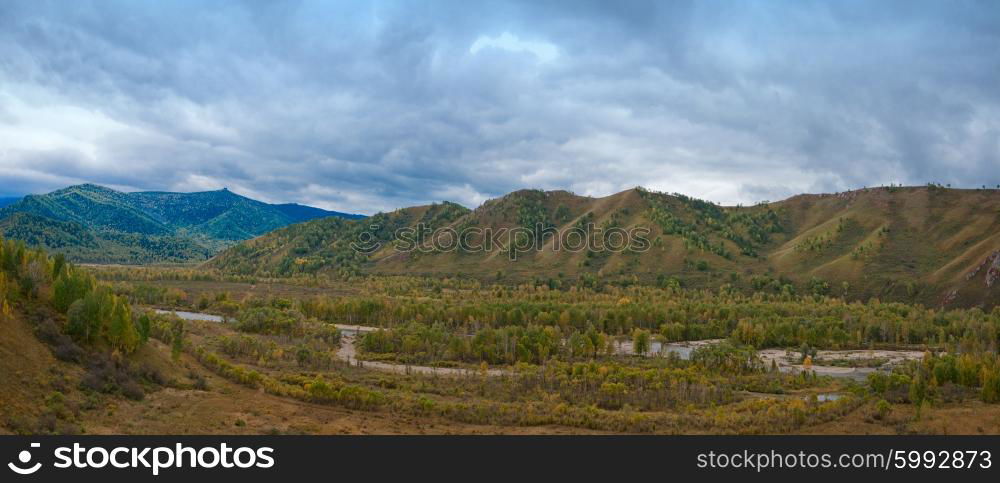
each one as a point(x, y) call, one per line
point(94, 314)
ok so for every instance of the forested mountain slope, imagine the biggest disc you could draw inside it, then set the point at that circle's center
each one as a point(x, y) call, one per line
point(96, 224)
point(929, 244)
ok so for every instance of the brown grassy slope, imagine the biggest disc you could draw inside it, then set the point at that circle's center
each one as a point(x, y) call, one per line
point(919, 243)
point(565, 211)
point(27, 371)
point(915, 244)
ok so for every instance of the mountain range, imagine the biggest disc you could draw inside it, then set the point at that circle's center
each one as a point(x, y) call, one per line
point(91, 223)
point(928, 244)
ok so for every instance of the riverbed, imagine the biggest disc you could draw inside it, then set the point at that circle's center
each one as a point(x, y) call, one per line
point(192, 315)
point(787, 361)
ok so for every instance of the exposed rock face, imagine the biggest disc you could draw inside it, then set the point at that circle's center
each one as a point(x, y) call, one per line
point(992, 266)
point(949, 298)
point(994, 271)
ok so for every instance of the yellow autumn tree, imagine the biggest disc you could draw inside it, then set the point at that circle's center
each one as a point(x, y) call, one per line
point(7, 313)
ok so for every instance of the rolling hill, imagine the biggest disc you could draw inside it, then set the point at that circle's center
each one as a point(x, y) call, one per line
point(329, 244)
point(929, 244)
point(91, 223)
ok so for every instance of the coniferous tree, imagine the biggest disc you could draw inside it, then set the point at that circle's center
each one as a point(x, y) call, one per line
point(143, 325)
point(70, 286)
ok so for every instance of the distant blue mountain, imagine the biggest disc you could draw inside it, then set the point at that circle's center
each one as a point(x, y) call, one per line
point(92, 223)
point(301, 213)
point(8, 201)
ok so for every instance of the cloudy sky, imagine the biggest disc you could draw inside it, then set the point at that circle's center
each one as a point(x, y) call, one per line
point(363, 107)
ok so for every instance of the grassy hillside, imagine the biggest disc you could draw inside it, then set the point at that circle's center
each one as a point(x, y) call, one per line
point(916, 244)
point(326, 244)
point(95, 224)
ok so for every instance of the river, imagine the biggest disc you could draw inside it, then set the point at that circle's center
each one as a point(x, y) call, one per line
point(192, 315)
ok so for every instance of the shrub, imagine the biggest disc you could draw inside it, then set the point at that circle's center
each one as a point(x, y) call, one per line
point(68, 351)
point(991, 385)
point(882, 409)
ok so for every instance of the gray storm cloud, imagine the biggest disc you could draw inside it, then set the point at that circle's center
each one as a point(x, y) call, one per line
point(365, 107)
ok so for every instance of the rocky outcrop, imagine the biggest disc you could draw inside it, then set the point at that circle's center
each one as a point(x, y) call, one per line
point(992, 266)
point(993, 273)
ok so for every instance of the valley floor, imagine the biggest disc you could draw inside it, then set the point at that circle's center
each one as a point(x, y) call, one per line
point(228, 408)
point(313, 376)
point(224, 407)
